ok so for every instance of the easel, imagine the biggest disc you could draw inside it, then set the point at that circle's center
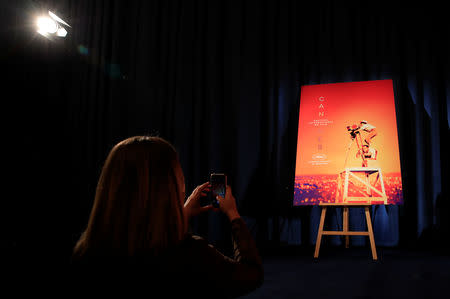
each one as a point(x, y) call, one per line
point(345, 232)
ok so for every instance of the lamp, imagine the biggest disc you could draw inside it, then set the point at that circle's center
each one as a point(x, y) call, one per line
point(51, 25)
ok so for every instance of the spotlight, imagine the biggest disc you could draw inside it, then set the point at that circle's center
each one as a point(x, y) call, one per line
point(51, 25)
point(46, 25)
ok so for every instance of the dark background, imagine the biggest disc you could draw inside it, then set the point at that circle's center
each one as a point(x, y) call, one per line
point(221, 81)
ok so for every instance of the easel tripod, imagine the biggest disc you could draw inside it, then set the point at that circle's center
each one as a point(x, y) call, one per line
point(346, 232)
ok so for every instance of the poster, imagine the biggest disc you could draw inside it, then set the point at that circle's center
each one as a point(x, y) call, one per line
point(347, 144)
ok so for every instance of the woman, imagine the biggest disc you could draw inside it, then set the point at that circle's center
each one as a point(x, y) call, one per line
point(370, 129)
point(139, 221)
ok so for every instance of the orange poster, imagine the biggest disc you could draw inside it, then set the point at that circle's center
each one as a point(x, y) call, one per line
point(347, 144)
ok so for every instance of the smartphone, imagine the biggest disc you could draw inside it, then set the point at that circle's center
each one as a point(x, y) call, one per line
point(218, 187)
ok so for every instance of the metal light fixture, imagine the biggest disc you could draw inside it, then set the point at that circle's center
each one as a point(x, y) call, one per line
point(51, 25)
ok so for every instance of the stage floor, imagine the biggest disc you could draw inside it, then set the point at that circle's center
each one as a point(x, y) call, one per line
point(351, 273)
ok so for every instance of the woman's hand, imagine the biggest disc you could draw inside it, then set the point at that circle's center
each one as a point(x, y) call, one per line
point(228, 205)
point(192, 205)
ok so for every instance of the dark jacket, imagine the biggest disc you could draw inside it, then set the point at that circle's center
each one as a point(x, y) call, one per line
point(193, 268)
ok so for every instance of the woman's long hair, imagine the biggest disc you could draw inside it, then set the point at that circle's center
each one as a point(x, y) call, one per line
point(138, 207)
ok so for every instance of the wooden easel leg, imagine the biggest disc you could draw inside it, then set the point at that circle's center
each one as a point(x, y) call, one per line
point(371, 237)
point(319, 234)
point(345, 225)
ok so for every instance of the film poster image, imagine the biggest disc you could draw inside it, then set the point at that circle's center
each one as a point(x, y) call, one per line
point(347, 126)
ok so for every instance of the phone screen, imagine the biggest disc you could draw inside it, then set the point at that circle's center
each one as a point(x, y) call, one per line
point(218, 187)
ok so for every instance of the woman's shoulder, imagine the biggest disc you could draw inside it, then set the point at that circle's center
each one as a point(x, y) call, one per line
point(195, 249)
point(194, 243)
point(192, 239)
